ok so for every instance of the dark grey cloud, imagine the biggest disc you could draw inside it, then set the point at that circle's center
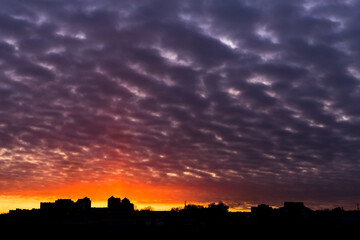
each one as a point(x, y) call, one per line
point(242, 95)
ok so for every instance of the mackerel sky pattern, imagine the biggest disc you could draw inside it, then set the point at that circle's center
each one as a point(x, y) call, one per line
point(259, 99)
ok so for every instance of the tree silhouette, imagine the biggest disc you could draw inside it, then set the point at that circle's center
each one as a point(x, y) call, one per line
point(218, 208)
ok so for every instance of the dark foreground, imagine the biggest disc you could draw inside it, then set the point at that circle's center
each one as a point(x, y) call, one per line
point(103, 223)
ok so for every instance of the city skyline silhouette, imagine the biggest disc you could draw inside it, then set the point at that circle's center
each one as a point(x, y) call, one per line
point(66, 216)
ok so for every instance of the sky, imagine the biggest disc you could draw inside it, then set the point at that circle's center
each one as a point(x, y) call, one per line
point(245, 102)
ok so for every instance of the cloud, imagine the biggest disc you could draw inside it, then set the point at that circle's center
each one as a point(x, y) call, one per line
point(244, 95)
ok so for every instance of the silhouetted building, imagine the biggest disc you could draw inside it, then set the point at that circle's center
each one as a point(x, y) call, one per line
point(47, 206)
point(126, 205)
point(114, 203)
point(64, 204)
point(295, 211)
point(262, 210)
point(83, 204)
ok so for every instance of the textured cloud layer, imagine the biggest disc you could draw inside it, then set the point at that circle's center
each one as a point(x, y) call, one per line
point(258, 99)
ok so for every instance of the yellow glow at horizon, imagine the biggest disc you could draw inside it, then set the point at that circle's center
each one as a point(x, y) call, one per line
point(8, 203)
point(13, 202)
